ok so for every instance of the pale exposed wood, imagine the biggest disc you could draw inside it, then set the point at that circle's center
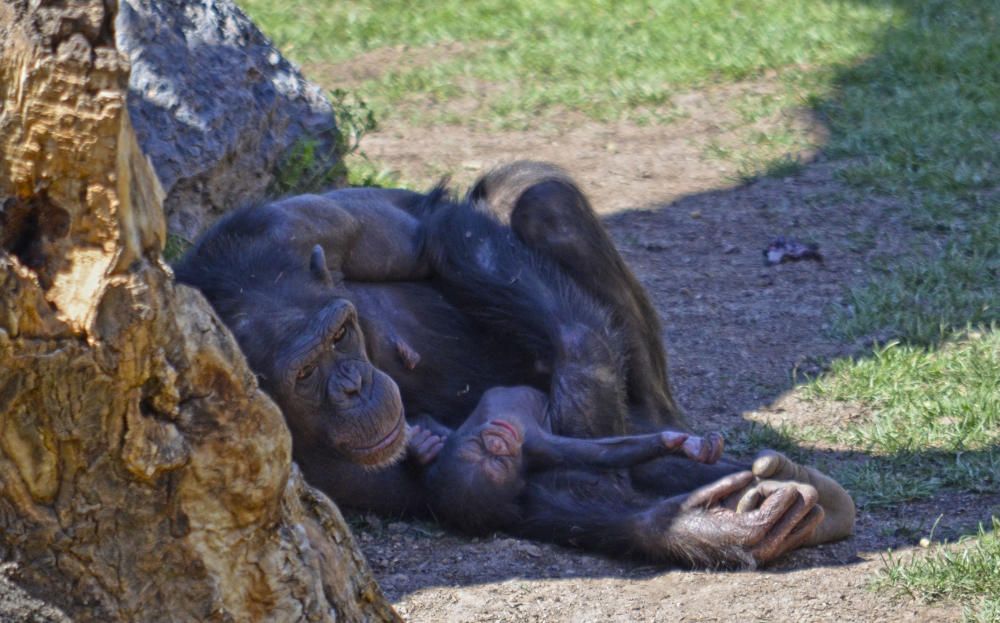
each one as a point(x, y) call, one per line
point(143, 475)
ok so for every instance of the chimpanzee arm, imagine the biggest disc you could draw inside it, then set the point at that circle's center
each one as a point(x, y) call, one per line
point(365, 235)
point(674, 475)
point(396, 490)
point(547, 450)
point(692, 529)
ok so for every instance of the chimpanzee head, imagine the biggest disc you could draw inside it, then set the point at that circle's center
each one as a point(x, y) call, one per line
point(305, 345)
point(482, 467)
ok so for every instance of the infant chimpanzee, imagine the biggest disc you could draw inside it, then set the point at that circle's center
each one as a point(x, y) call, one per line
point(505, 457)
point(488, 462)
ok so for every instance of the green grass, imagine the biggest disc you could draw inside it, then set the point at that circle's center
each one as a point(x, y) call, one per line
point(967, 572)
point(605, 58)
point(935, 427)
point(919, 121)
point(946, 398)
point(935, 420)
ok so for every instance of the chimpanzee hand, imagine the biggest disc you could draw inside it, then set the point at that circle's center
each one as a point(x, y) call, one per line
point(422, 445)
point(706, 449)
point(786, 518)
point(771, 468)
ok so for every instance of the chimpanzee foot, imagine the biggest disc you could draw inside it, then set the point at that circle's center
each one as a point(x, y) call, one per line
point(708, 530)
point(838, 522)
point(707, 449)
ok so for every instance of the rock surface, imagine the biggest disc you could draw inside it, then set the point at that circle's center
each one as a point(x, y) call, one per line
point(143, 474)
point(214, 104)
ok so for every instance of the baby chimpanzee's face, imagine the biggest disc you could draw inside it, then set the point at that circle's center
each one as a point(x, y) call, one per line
point(494, 449)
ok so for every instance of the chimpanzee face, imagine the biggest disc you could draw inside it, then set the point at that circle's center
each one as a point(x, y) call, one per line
point(332, 395)
point(305, 344)
point(492, 448)
point(481, 470)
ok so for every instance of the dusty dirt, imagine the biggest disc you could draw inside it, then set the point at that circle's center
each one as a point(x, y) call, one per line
point(739, 334)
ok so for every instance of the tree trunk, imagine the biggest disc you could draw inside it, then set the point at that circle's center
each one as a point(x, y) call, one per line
point(143, 475)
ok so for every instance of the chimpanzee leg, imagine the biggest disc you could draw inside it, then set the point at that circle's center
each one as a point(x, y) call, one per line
point(482, 268)
point(674, 475)
point(551, 215)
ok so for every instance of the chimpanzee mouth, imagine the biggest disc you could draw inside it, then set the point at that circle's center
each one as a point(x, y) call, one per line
point(374, 453)
point(507, 425)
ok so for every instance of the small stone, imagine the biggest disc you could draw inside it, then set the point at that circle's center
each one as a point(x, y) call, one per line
point(529, 549)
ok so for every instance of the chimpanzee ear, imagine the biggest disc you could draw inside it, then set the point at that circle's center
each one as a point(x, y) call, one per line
point(317, 266)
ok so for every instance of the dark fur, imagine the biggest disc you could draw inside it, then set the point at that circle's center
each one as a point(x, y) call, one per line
point(516, 285)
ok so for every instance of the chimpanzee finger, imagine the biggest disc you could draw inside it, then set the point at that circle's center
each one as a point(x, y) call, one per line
point(673, 439)
point(752, 498)
point(778, 541)
point(762, 521)
point(799, 536)
point(427, 453)
point(431, 450)
point(749, 501)
point(712, 493)
point(414, 432)
point(803, 532)
point(717, 444)
point(766, 464)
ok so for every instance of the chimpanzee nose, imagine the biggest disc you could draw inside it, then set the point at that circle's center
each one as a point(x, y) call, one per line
point(348, 379)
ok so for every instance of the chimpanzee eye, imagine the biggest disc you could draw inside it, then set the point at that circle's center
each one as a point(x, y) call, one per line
point(340, 333)
point(305, 372)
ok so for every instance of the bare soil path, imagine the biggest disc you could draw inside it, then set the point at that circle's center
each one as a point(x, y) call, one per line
point(738, 335)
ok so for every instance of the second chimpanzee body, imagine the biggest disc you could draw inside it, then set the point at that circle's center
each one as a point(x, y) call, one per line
point(354, 304)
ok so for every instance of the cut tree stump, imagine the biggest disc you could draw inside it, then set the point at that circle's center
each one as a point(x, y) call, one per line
point(143, 474)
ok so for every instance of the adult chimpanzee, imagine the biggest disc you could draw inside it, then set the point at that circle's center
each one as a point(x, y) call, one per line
point(352, 304)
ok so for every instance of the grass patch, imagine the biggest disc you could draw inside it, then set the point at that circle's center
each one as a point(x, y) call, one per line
point(967, 571)
point(936, 422)
point(308, 167)
point(919, 121)
point(605, 58)
point(175, 247)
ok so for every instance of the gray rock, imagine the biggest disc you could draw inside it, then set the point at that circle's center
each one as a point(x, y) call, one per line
point(214, 104)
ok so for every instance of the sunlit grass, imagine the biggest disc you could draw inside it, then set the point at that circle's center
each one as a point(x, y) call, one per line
point(604, 58)
point(968, 571)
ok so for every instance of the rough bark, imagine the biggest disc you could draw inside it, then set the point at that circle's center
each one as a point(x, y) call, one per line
point(143, 475)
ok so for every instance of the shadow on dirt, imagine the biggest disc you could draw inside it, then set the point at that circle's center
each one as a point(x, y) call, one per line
point(741, 334)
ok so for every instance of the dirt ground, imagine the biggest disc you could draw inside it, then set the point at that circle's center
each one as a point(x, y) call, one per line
point(738, 334)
